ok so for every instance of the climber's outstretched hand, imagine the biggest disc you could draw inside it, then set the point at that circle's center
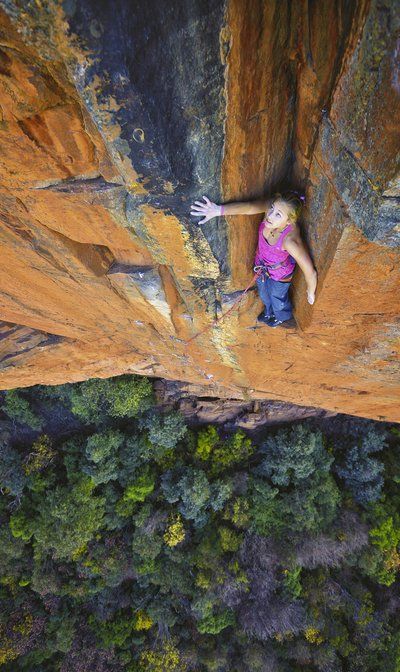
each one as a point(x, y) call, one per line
point(207, 209)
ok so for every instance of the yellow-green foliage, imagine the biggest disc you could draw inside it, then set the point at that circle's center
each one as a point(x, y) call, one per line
point(313, 635)
point(228, 453)
point(366, 612)
point(175, 532)
point(42, 454)
point(222, 454)
point(7, 652)
point(214, 623)
point(120, 397)
point(229, 539)
point(165, 659)
point(69, 518)
point(78, 552)
point(115, 632)
point(240, 512)
point(142, 621)
point(386, 537)
point(142, 486)
point(238, 572)
point(207, 439)
point(203, 579)
point(292, 581)
point(9, 648)
point(10, 582)
point(20, 526)
point(283, 636)
point(24, 626)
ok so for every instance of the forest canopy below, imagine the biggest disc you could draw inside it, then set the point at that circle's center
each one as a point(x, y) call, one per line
point(130, 541)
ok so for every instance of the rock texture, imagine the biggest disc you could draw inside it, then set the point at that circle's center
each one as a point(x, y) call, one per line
point(195, 404)
point(114, 116)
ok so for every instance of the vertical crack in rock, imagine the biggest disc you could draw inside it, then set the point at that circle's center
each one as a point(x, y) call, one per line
point(326, 37)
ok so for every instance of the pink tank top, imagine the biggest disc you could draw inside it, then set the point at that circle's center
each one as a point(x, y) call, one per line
point(273, 255)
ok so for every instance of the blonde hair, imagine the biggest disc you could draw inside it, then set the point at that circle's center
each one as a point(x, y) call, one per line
point(293, 201)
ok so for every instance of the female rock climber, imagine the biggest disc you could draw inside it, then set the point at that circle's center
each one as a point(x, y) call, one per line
point(279, 248)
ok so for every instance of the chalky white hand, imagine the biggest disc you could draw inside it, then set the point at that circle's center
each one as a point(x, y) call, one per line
point(207, 209)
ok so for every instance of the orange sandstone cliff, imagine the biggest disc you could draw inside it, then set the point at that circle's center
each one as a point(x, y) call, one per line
point(115, 116)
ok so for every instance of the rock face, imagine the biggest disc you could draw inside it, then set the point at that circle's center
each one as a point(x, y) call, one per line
point(115, 116)
point(253, 416)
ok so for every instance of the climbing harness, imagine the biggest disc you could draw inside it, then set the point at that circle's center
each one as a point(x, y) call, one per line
point(262, 269)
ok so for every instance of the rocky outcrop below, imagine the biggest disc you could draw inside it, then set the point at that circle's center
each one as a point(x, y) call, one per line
point(253, 416)
point(114, 116)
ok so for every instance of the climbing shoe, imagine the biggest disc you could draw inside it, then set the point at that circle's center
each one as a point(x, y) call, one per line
point(273, 322)
point(287, 324)
point(264, 317)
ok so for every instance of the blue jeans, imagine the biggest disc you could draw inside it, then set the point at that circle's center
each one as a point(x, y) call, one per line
point(275, 296)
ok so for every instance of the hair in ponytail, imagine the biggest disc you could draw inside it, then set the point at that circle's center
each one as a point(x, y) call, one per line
point(294, 200)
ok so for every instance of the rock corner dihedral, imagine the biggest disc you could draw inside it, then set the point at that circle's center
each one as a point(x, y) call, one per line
point(115, 116)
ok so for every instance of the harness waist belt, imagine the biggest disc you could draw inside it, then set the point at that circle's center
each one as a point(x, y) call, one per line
point(262, 270)
point(263, 264)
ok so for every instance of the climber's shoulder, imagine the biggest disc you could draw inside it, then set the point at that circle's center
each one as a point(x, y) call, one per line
point(292, 242)
point(292, 237)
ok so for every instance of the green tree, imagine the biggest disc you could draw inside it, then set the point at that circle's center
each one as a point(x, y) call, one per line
point(312, 506)
point(165, 658)
point(363, 474)
point(121, 397)
point(137, 491)
point(229, 539)
point(60, 631)
point(195, 493)
point(292, 581)
point(115, 632)
point(392, 664)
point(102, 453)
point(164, 430)
point(207, 439)
point(12, 476)
point(14, 560)
point(266, 512)
point(41, 455)
point(227, 453)
point(385, 537)
point(19, 410)
point(67, 519)
point(293, 455)
point(146, 547)
point(215, 623)
point(21, 525)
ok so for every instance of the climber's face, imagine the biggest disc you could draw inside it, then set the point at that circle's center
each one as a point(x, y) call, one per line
point(277, 216)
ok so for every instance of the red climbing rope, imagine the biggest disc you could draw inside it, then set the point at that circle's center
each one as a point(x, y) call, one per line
point(236, 303)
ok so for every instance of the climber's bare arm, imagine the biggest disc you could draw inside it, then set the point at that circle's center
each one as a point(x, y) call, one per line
point(246, 207)
point(296, 248)
point(208, 209)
